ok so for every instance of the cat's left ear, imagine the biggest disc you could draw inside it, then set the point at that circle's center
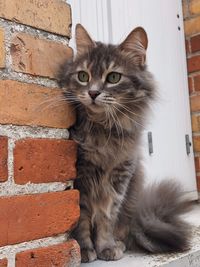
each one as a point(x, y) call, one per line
point(135, 45)
point(83, 40)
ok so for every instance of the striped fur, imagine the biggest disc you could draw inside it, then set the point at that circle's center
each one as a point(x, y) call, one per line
point(117, 213)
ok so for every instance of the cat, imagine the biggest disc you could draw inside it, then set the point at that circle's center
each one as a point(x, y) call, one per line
point(112, 91)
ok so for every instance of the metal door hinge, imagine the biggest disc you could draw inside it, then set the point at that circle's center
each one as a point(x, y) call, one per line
point(150, 142)
point(188, 143)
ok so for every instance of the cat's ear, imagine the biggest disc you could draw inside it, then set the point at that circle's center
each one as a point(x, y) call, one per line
point(135, 45)
point(83, 41)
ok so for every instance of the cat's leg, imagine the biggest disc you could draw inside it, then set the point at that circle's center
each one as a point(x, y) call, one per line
point(106, 246)
point(84, 229)
point(82, 234)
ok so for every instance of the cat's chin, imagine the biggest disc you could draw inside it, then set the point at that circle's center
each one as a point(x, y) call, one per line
point(95, 108)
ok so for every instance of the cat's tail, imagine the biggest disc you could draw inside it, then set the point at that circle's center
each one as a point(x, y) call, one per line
point(157, 225)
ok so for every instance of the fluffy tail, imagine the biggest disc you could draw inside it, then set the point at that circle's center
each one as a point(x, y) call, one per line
point(157, 223)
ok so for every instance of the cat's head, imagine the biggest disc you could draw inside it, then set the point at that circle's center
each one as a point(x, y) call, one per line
point(109, 78)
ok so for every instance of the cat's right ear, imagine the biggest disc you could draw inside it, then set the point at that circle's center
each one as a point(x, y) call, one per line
point(83, 41)
point(135, 45)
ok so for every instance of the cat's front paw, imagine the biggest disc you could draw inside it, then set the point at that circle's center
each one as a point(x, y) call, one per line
point(88, 255)
point(110, 254)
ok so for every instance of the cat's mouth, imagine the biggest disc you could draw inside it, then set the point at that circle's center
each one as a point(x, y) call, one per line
point(96, 102)
point(95, 105)
point(92, 102)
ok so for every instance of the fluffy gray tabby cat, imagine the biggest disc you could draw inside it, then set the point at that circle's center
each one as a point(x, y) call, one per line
point(112, 89)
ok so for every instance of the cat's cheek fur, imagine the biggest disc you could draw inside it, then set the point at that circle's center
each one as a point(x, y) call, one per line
point(84, 98)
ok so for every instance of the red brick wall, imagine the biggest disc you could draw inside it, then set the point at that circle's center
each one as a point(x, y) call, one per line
point(191, 10)
point(37, 162)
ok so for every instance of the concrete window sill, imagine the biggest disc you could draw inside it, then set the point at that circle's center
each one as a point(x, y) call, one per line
point(187, 259)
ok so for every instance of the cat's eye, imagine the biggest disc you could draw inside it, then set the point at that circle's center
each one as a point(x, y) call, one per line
point(83, 76)
point(113, 77)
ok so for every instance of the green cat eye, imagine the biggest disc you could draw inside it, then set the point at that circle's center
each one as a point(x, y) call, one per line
point(83, 76)
point(113, 77)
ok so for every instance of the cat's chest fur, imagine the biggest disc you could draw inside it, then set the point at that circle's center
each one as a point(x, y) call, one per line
point(104, 147)
point(107, 149)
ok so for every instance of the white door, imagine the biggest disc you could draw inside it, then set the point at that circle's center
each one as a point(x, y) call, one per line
point(110, 21)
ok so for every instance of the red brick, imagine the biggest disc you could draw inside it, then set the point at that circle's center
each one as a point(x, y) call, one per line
point(30, 217)
point(49, 15)
point(3, 158)
point(196, 142)
point(195, 43)
point(44, 160)
point(190, 84)
point(195, 123)
point(61, 255)
point(195, 103)
point(198, 183)
point(194, 7)
point(197, 83)
point(31, 104)
point(193, 64)
point(192, 26)
point(3, 262)
point(187, 46)
point(37, 56)
point(197, 164)
point(185, 9)
point(2, 49)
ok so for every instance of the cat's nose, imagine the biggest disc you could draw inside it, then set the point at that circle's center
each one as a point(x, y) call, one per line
point(93, 94)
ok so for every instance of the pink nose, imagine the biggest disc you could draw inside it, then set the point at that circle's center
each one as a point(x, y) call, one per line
point(93, 94)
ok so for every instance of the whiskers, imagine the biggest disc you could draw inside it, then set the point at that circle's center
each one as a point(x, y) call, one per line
point(137, 100)
point(114, 107)
point(119, 117)
point(129, 114)
point(57, 101)
point(111, 120)
point(117, 124)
